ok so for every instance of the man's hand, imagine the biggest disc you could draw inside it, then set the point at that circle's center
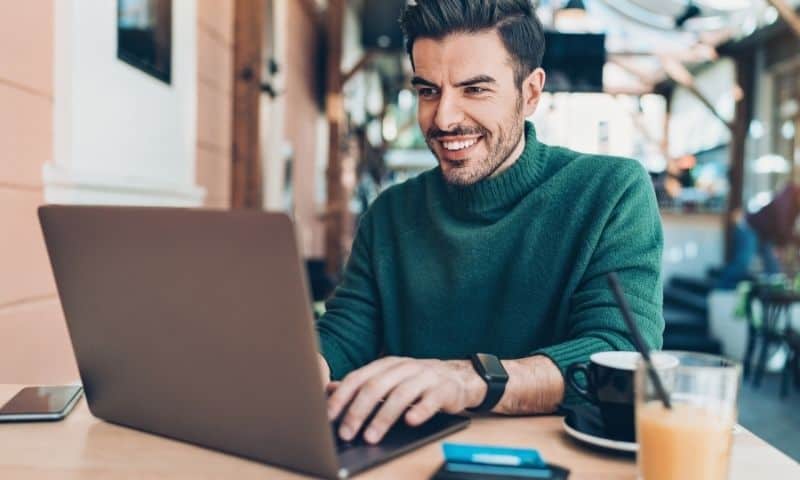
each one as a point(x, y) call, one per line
point(427, 386)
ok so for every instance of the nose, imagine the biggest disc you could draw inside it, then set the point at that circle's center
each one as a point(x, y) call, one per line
point(448, 112)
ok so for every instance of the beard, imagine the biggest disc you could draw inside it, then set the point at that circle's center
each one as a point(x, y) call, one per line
point(499, 148)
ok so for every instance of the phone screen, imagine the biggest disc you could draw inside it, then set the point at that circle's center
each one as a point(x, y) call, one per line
point(36, 400)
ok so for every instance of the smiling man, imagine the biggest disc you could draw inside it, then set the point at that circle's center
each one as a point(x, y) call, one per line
point(475, 285)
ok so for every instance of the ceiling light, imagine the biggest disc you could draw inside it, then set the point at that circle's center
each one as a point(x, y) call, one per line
point(771, 164)
point(771, 14)
point(574, 5)
point(756, 129)
point(788, 130)
point(749, 25)
point(573, 18)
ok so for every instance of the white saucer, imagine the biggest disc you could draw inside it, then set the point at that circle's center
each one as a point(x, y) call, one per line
point(600, 441)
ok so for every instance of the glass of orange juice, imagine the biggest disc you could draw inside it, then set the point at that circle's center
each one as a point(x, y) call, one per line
point(692, 439)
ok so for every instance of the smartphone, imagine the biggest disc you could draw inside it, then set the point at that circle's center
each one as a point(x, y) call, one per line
point(41, 403)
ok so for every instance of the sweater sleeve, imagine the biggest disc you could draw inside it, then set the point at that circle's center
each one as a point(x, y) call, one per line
point(630, 244)
point(349, 330)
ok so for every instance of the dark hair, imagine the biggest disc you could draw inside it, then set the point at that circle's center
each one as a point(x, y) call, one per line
point(515, 20)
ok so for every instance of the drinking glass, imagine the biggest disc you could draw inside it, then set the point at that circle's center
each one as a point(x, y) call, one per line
point(692, 440)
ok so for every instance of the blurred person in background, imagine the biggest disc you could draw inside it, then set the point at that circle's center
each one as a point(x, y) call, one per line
point(760, 233)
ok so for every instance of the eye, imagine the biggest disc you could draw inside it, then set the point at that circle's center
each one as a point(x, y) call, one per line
point(475, 90)
point(427, 92)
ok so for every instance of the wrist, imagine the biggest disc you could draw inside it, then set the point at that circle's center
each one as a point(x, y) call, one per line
point(513, 369)
point(494, 378)
point(476, 388)
point(535, 385)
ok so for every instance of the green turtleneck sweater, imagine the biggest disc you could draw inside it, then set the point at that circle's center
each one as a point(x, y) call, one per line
point(514, 265)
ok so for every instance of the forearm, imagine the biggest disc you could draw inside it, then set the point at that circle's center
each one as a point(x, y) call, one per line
point(535, 385)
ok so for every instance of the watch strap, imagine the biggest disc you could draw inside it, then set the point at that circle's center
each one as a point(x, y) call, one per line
point(494, 390)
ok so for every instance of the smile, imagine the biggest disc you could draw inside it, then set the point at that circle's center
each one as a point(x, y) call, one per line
point(456, 145)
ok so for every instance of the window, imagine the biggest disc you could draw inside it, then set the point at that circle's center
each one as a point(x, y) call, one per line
point(144, 36)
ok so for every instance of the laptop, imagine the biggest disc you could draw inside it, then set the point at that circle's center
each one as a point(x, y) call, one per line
point(196, 325)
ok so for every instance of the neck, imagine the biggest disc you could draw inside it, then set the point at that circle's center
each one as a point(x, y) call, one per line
point(512, 158)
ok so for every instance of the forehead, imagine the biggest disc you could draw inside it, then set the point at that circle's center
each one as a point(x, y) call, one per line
point(462, 55)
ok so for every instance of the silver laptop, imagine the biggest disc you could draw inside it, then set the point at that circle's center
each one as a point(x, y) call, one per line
point(196, 325)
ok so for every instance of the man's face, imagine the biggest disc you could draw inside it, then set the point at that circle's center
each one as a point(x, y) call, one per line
point(470, 109)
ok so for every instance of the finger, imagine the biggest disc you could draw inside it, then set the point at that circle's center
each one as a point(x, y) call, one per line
point(352, 383)
point(422, 411)
point(371, 394)
point(331, 387)
point(395, 404)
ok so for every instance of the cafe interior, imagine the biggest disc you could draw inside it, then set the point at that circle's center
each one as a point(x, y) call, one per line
point(306, 107)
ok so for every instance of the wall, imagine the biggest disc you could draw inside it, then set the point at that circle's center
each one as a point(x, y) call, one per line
point(35, 344)
point(214, 99)
point(605, 124)
point(121, 135)
point(79, 126)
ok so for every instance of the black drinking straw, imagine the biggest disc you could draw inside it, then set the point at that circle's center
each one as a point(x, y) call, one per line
point(613, 282)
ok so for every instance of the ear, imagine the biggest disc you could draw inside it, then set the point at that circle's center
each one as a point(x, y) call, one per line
point(532, 88)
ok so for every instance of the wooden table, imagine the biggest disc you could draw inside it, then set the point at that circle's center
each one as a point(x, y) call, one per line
point(82, 447)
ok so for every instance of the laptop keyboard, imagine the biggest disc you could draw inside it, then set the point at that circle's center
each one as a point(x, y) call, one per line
point(398, 431)
point(341, 444)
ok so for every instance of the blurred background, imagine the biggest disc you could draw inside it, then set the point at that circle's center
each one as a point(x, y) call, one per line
point(304, 106)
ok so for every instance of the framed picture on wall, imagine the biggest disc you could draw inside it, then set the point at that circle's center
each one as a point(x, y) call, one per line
point(144, 36)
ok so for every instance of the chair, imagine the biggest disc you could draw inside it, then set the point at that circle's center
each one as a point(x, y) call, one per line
point(792, 367)
point(774, 329)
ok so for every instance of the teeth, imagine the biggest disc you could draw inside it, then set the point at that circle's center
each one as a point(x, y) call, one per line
point(459, 145)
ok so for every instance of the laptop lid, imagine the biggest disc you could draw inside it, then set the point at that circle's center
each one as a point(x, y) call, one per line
point(194, 325)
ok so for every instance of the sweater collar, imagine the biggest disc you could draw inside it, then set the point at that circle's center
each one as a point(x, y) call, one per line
point(499, 193)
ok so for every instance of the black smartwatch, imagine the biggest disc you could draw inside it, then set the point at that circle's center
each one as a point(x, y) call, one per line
point(492, 372)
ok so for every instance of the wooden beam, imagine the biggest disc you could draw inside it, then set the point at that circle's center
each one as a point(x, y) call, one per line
point(787, 14)
point(334, 105)
point(745, 76)
point(667, 117)
point(246, 169)
point(362, 62)
point(644, 78)
point(631, 53)
point(681, 75)
point(311, 9)
point(710, 106)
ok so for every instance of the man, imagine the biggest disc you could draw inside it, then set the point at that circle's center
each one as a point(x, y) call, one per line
point(760, 232)
point(503, 249)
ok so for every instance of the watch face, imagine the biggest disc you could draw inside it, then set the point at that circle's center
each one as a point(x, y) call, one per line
point(492, 368)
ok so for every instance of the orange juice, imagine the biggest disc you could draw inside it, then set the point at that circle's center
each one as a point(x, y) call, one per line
point(687, 442)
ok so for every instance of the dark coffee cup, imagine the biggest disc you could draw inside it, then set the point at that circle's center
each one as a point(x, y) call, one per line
point(609, 386)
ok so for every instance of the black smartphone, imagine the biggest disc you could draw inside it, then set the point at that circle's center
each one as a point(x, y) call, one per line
point(40, 403)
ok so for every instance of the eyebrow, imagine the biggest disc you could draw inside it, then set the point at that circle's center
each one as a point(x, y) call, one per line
point(466, 83)
point(476, 80)
point(421, 81)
